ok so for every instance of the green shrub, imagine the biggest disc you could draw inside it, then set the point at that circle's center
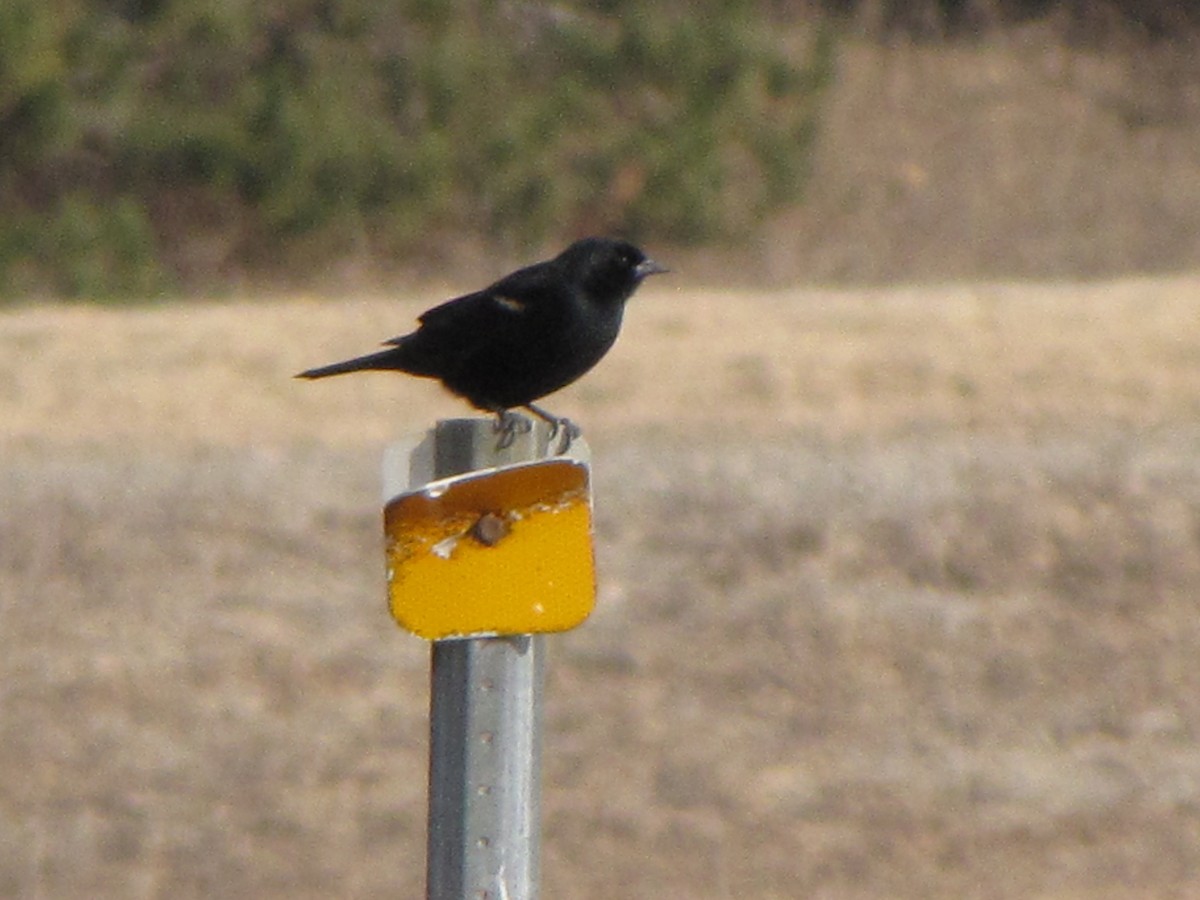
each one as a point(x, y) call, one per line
point(34, 86)
point(81, 248)
point(331, 122)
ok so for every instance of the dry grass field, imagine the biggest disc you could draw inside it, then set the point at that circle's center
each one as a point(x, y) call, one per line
point(898, 598)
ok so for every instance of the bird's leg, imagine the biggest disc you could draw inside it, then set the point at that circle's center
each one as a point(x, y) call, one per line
point(566, 430)
point(508, 425)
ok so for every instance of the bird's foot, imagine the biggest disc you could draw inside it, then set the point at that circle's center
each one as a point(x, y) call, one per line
point(567, 433)
point(561, 428)
point(508, 425)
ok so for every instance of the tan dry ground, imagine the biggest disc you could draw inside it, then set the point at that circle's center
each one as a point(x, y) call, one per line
point(898, 599)
point(832, 365)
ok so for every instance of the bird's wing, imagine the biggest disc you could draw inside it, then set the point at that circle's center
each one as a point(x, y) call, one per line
point(464, 320)
point(449, 315)
point(498, 307)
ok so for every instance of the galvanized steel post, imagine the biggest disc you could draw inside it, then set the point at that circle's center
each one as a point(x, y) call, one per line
point(485, 726)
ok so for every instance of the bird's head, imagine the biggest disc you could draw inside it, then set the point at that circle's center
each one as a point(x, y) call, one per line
point(609, 269)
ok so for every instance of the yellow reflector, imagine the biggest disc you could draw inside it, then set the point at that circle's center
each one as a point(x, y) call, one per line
point(504, 551)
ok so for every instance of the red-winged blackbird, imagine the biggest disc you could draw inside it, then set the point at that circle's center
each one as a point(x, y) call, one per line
point(526, 336)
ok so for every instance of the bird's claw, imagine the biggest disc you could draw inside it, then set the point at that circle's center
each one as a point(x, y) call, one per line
point(560, 427)
point(508, 426)
point(566, 431)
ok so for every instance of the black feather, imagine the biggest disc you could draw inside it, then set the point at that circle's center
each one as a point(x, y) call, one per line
point(527, 335)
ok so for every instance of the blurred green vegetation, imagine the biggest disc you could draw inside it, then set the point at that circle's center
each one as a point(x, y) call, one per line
point(147, 145)
point(1080, 22)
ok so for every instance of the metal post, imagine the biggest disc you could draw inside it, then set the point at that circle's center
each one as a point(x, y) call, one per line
point(485, 725)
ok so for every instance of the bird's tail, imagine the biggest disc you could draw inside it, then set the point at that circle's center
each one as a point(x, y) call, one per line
point(392, 358)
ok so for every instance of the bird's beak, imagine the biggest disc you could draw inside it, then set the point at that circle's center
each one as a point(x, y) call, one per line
point(649, 267)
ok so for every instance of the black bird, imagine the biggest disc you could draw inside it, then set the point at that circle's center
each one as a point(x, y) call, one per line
point(526, 336)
